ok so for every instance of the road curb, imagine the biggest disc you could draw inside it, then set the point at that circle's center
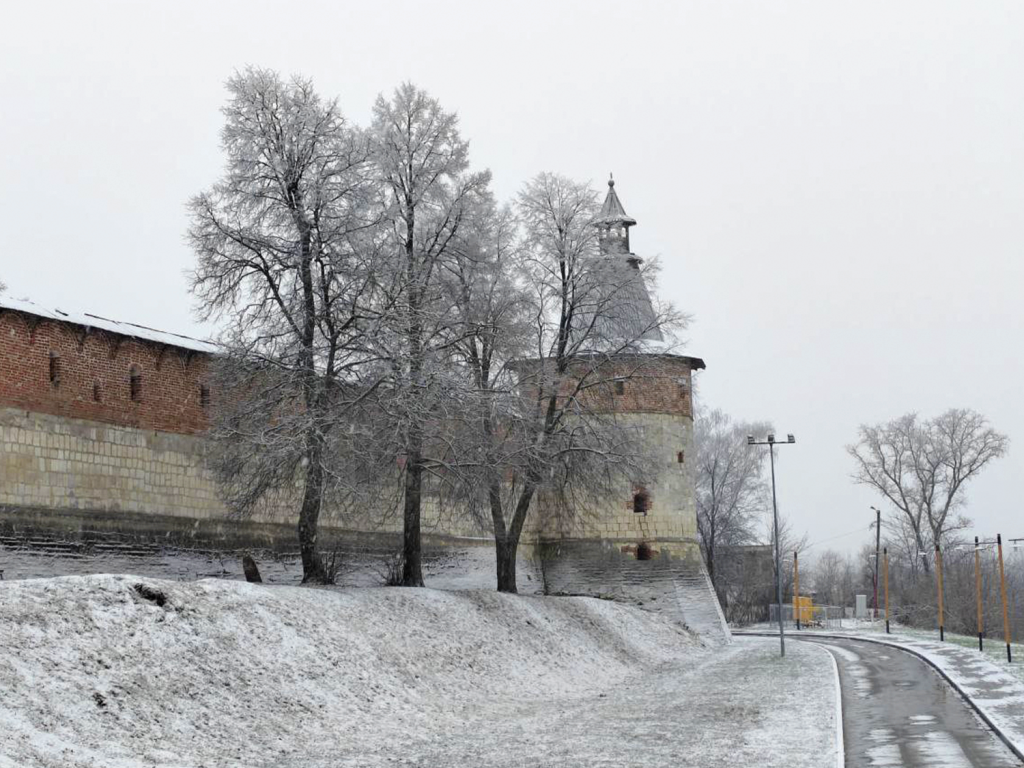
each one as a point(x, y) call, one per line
point(840, 741)
point(942, 673)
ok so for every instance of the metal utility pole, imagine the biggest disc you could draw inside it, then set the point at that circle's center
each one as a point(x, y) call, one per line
point(770, 442)
point(885, 553)
point(878, 545)
point(1002, 589)
point(977, 592)
point(938, 573)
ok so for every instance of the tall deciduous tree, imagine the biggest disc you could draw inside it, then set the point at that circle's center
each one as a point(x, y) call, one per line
point(281, 262)
point(558, 322)
point(922, 467)
point(423, 163)
point(730, 488)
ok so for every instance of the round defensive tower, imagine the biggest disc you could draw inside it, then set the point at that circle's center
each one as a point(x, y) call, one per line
point(649, 388)
point(639, 543)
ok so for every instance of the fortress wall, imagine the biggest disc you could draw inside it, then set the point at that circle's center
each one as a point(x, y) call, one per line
point(67, 463)
point(673, 583)
point(64, 369)
point(60, 462)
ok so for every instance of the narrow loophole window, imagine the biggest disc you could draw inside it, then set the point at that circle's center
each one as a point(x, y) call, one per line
point(204, 395)
point(135, 383)
point(55, 369)
point(620, 387)
point(680, 457)
point(97, 392)
point(640, 501)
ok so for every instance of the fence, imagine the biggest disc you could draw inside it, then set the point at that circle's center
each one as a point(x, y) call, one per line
point(823, 617)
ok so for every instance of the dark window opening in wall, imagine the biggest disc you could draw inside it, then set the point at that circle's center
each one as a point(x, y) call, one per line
point(643, 551)
point(97, 393)
point(204, 395)
point(135, 383)
point(683, 387)
point(55, 369)
point(680, 457)
point(620, 387)
point(640, 502)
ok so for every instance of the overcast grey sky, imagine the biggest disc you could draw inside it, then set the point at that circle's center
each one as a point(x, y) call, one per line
point(835, 189)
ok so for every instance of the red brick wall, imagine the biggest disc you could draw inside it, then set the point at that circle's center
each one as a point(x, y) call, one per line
point(169, 398)
point(649, 384)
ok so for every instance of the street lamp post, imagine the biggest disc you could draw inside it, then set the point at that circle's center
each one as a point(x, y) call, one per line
point(770, 442)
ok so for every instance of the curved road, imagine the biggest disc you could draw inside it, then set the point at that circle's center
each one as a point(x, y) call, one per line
point(897, 711)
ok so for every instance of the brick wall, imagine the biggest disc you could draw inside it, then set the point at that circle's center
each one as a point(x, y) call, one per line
point(64, 370)
point(627, 383)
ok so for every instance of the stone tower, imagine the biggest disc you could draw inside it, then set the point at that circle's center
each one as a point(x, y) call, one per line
point(652, 389)
point(641, 543)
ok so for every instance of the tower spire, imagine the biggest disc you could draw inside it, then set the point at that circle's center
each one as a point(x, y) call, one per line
point(613, 223)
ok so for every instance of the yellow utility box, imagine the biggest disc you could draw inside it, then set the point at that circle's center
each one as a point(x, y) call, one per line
point(803, 609)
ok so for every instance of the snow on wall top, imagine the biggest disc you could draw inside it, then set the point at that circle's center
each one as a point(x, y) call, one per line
point(112, 326)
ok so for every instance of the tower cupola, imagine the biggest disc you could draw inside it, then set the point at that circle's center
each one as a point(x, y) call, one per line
point(613, 224)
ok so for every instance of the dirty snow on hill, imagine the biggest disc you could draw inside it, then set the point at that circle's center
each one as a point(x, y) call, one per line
point(125, 672)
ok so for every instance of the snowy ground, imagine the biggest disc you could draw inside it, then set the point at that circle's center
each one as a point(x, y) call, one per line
point(93, 673)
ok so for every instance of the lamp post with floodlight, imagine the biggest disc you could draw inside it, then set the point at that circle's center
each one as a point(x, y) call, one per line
point(770, 442)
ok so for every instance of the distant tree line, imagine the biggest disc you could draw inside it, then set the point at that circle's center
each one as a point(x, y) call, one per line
point(920, 467)
point(391, 329)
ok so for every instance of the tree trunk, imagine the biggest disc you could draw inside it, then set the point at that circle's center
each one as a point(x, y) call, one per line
point(507, 545)
point(504, 545)
point(412, 567)
point(309, 516)
point(505, 554)
point(922, 548)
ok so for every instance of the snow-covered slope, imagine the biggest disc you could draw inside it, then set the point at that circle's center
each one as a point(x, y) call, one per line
point(95, 671)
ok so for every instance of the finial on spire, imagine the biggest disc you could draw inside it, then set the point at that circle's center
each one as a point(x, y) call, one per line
point(613, 223)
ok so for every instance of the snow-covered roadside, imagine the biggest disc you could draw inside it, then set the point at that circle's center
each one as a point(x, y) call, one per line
point(995, 687)
point(95, 672)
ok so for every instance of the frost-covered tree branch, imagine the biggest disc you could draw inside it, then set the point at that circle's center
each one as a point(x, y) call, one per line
point(921, 468)
point(287, 260)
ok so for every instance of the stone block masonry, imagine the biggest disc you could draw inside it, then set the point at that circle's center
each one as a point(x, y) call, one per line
point(63, 463)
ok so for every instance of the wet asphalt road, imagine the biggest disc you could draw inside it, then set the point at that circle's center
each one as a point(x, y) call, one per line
point(897, 711)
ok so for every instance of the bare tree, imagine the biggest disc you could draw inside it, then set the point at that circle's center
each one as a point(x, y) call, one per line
point(832, 577)
point(423, 163)
point(492, 309)
point(280, 260)
point(921, 467)
point(730, 488)
point(550, 324)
